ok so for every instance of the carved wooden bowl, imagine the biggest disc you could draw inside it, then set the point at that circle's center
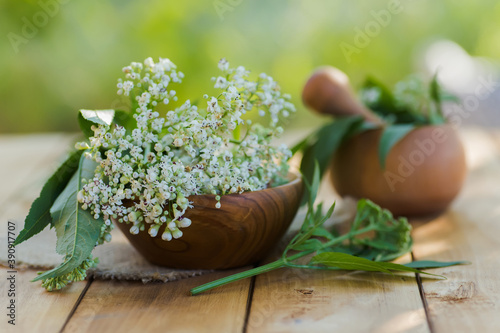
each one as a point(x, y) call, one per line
point(239, 233)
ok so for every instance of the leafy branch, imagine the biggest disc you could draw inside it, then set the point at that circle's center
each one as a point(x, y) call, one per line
point(374, 238)
point(77, 231)
point(411, 104)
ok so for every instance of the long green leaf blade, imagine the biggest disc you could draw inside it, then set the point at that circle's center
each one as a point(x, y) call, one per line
point(328, 140)
point(39, 215)
point(423, 264)
point(392, 134)
point(348, 262)
point(77, 230)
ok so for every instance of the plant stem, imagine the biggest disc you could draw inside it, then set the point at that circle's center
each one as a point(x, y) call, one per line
point(280, 263)
point(238, 276)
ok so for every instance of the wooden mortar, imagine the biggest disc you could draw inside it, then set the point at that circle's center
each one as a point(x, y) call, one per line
point(424, 171)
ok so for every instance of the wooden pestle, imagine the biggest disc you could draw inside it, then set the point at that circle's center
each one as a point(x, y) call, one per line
point(328, 91)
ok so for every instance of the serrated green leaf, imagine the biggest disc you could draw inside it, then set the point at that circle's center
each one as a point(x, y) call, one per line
point(423, 264)
point(390, 136)
point(322, 232)
point(77, 230)
point(391, 238)
point(348, 262)
point(39, 215)
point(308, 228)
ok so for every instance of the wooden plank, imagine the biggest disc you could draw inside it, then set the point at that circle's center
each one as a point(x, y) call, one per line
point(469, 300)
point(120, 306)
point(37, 310)
point(325, 301)
point(29, 160)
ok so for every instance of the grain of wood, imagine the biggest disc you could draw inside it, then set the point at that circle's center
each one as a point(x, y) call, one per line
point(325, 301)
point(29, 160)
point(119, 306)
point(37, 310)
point(469, 300)
point(238, 233)
point(285, 300)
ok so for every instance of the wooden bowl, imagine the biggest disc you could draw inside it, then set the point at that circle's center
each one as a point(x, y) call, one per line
point(424, 171)
point(239, 233)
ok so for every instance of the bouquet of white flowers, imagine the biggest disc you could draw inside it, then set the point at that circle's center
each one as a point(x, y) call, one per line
point(140, 167)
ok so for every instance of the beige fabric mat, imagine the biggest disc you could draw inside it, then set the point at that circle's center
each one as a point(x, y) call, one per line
point(118, 259)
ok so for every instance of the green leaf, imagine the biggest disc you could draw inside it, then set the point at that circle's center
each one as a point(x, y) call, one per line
point(391, 135)
point(315, 184)
point(435, 111)
point(423, 264)
point(125, 119)
point(309, 244)
point(77, 230)
point(434, 89)
point(85, 126)
point(370, 218)
point(237, 133)
point(302, 144)
point(100, 117)
point(39, 215)
point(378, 97)
point(348, 262)
point(329, 138)
point(307, 230)
point(86, 118)
point(445, 96)
point(390, 237)
point(382, 101)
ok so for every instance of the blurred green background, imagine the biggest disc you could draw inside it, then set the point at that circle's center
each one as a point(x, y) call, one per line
point(72, 55)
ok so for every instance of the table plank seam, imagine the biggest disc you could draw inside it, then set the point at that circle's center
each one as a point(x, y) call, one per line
point(421, 291)
point(248, 308)
point(77, 303)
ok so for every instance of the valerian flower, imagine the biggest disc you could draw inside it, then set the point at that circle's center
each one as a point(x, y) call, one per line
point(146, 174)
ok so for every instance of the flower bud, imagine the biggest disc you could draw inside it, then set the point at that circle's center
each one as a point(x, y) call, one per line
point(134, 230)
point(166, 236)
point(185, 222)
point(177, 234)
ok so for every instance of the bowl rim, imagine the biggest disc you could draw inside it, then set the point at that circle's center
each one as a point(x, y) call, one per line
point(294, 177)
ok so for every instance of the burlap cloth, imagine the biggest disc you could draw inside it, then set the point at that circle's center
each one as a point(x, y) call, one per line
point(118, 259)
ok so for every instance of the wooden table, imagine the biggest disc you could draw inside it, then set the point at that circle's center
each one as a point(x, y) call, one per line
point(285, 300)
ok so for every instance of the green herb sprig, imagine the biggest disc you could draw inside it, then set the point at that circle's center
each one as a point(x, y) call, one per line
point(374, 238)
point(411, 104)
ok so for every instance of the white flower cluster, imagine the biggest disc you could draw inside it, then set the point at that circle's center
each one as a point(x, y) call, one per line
point(147, 173)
